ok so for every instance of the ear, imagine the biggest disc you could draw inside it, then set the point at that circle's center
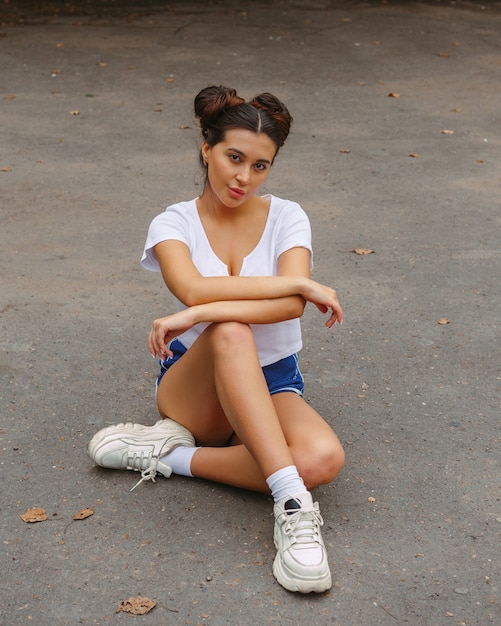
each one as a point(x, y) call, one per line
point(205, 150)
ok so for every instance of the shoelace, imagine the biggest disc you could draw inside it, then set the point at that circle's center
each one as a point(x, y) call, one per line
point(303, 526)
point(148, 473)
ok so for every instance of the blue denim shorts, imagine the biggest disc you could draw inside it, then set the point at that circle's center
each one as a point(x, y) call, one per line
point(284, 375)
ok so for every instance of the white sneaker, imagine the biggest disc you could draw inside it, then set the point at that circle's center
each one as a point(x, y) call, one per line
point(301, 561)
point(137, 447)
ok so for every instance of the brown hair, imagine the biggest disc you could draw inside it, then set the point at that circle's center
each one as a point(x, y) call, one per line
point(220, 109)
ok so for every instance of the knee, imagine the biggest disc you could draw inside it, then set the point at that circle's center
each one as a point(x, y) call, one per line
point(322, 462)
point(229, 336)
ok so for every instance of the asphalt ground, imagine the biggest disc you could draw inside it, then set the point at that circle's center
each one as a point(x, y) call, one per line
point(395, 149)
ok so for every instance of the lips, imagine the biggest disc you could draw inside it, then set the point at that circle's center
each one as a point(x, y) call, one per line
point(236, 193)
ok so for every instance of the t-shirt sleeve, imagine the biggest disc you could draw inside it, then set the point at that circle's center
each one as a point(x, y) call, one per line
point(294, 230)
point(173, 223)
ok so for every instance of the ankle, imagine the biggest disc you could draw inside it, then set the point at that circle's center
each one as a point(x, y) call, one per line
point(285, 483)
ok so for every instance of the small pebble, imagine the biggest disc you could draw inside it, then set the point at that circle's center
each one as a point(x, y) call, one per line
point(498, 519)
point(461, 590)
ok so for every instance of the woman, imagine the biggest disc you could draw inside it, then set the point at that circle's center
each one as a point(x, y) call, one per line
point(229, 389)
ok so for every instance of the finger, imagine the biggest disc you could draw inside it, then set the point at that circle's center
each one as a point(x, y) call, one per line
point(322, 307)
point(336, 316)
point(151, 345)
point(163, 338)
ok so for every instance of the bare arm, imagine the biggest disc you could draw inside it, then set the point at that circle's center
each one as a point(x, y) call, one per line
point(245, 311)
point(260, 303)
point(188, 285)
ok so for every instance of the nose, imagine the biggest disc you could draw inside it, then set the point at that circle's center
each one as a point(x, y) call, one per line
point(243, 175)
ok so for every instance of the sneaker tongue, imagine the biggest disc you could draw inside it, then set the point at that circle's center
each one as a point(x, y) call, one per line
point(292, 505)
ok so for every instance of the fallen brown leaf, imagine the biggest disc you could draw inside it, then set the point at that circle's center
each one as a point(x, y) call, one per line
point(75, 112)
point(345, 151)
point(138, 605)
point(6, 169)
point(84, 513)
point(371, 499)
point(447, 132)
point(35, 514)
point(362, 251)
point(443, 321)
point(414, 155)
point(393, 94)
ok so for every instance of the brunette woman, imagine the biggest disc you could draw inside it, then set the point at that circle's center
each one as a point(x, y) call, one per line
point(230, 389)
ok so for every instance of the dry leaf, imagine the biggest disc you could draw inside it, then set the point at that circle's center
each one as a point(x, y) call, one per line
point(371, 499)
point(457, 110)
point(35, 514)
point(60, 45)
point(414, 155)
point(345, 151)
point(138, 605)
point(392, 94)
point(447, 132)
point(443, 54)
point(184, 127)
point(10, 97)
point(83, 514)
point(443, 321)
point(362, 251)
point(6, 169)
point(102, 64)
point(75, 112)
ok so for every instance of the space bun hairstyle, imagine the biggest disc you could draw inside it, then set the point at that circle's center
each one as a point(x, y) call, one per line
point(220, 109)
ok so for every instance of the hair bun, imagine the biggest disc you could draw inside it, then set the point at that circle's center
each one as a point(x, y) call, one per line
point(212, 101)
point(277, 109)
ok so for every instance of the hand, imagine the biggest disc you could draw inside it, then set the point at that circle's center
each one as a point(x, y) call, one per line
point(325, 299)
point(167, 328)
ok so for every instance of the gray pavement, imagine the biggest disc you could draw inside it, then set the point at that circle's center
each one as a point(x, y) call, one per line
point(97, 137)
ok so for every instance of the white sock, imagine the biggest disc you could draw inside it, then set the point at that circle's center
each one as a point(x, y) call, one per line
point(285, 482)
point(179, 460)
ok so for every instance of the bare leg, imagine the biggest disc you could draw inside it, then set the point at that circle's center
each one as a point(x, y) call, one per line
point(218, 389)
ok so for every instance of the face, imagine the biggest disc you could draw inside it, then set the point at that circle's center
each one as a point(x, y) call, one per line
point(239, 165)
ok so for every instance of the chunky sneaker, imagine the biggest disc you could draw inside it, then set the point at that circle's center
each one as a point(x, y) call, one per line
point(301, 561)
point(140, 448)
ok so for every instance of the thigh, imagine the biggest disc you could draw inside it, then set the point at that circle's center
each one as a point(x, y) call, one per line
point(187, 394)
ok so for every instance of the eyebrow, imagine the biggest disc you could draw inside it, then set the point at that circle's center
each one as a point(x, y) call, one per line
point(244, 155)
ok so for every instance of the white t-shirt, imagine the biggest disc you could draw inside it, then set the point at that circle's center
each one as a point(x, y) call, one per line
point(287, 226)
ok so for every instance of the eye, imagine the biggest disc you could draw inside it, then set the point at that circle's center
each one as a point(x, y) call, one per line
point(235, 158)
point(261, 167)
